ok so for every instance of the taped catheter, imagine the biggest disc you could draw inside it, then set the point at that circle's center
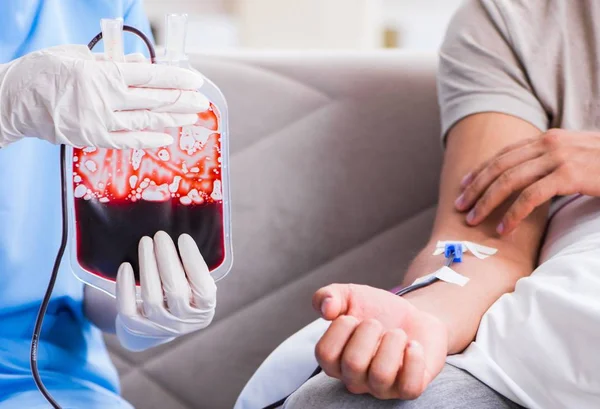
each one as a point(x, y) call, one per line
point(453, 252)
point(479, 251)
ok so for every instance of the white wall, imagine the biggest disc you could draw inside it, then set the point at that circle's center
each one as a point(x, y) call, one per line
point(421, 23)
point(315, 24)
point(211, 22)
point(298, 24)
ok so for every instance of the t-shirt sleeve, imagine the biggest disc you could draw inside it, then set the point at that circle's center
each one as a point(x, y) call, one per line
point(480, 70)
point(135, 16)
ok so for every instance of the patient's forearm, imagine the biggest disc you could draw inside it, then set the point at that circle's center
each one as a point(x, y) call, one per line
point(471, 142)
point(461, 308)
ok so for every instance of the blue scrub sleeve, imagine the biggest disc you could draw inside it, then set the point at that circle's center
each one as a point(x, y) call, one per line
point(135, 16)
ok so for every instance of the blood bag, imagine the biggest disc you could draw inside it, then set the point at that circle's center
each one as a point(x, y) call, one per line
point(116, 197)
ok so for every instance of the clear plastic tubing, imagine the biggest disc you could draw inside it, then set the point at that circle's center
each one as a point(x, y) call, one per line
point(112, 36)
point(175, 37)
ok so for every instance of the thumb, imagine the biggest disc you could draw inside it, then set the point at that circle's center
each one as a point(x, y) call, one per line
point(332, 301)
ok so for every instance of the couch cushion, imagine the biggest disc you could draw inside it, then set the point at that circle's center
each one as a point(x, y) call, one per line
point(334, 168)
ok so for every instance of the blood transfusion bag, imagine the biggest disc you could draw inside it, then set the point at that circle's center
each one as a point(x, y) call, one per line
point(117, 197)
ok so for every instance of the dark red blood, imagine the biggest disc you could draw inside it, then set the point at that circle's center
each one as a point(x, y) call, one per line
point(108, 234)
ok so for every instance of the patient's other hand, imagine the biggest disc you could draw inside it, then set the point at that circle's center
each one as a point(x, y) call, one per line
point(379, 343)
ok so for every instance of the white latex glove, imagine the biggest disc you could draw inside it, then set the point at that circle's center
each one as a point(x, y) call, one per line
point(134, 57)
point(177, 296)
point(66, 95)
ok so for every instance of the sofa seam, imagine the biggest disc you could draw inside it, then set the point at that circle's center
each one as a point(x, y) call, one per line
point(271, 72)
point(289, 125)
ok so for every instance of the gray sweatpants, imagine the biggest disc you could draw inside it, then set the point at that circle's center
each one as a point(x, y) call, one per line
point(452, 389)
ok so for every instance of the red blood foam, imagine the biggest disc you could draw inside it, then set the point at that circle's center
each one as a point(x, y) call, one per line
point(193, 162)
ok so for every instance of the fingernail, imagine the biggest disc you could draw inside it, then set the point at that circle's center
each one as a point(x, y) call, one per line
point(500, 228)
point(413, 344)
point(466, 180)
point(471, 216)
point(459, 203)
point(326, 302)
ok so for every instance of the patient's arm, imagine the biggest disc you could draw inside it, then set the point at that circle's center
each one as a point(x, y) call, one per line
point(392, 347)
point(472, 141)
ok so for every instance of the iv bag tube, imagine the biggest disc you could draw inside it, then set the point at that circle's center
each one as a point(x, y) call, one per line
point(132, 30)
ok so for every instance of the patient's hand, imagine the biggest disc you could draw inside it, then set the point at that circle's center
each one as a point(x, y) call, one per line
point(558, 162)
point(379, 343)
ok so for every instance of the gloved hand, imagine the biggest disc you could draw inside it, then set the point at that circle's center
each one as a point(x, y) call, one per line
point(66, 95)
point(133, 57)
point(178, 296)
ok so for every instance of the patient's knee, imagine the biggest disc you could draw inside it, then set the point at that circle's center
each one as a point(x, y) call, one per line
point(319, 392)
point(323, 392)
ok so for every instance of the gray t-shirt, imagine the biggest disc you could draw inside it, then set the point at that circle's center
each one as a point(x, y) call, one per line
point(537, 60)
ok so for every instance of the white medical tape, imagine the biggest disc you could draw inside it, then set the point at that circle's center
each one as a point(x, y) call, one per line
point(479, 251)
point(446, 274)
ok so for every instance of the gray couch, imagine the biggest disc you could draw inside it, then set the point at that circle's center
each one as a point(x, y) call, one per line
point(334, 164)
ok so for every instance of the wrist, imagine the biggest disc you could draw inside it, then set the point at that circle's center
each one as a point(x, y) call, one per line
point(460, 309)
point(8, 132)
point(136, 341)
point(424, 326)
